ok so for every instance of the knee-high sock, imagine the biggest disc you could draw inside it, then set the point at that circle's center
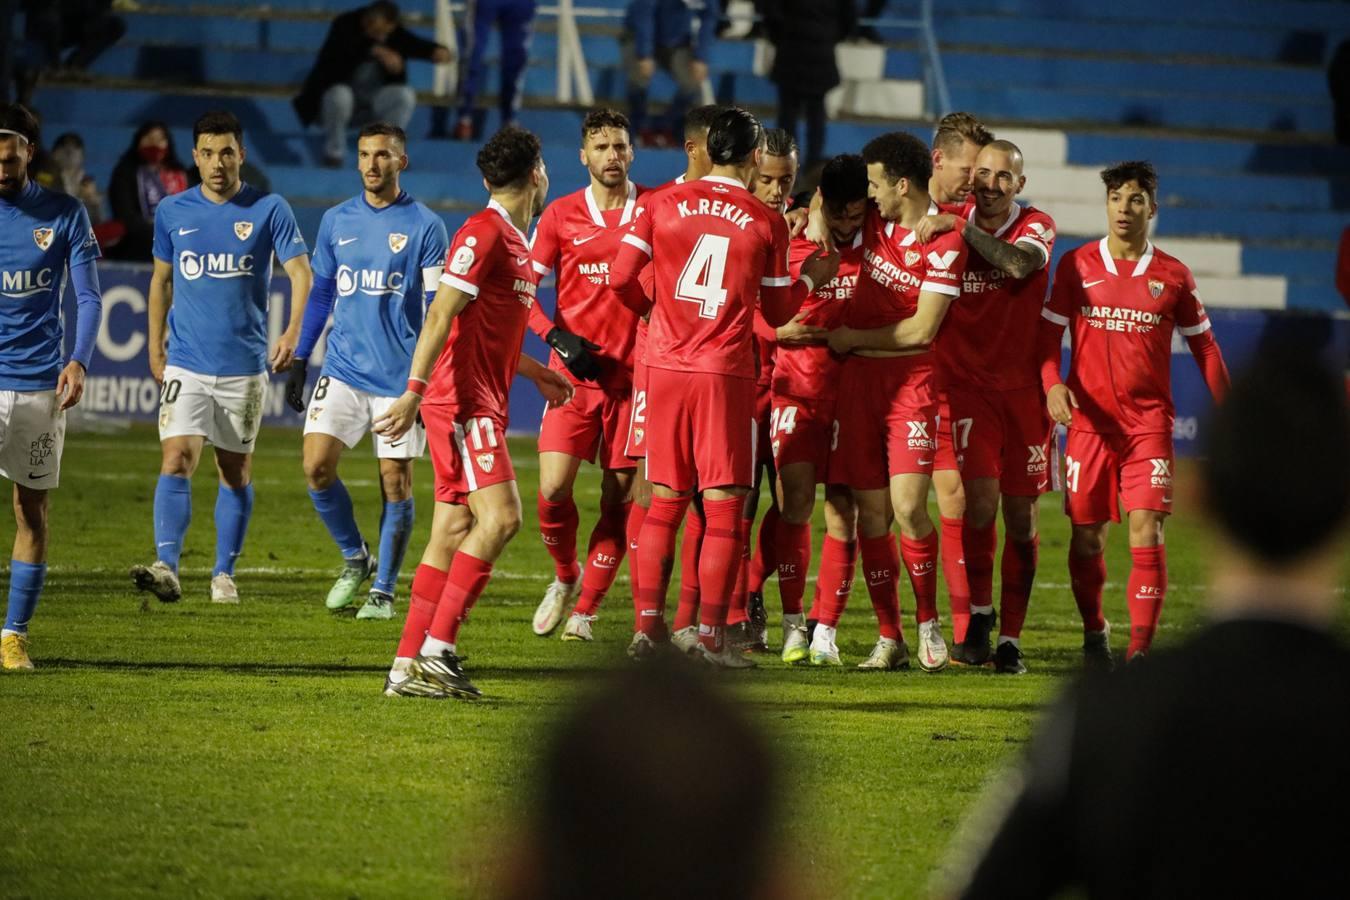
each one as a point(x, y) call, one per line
point(691, 545)
point(558, 531)
point(427, 586)
point(1147, 590)
point(234, 507)
point(921, 559)
point(835, 579)
point(334, 506)
point(978, 546)
point(25, 587)
point(1087, 574)
point(739, 610)
point(954, 573)
point(173, 512)
point(794, 560)
point(656, 557)
point(464, 584)
point(765, 561)
point(881, 567)
point(396, 525)
point(717, 572)
point(1019, 572)
point(632, 528)
point(604, 554)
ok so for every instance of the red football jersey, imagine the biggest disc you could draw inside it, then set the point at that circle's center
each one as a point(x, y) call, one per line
point(489, 259)
point(1121, 314)
point(896, 268)
point(713, 247)
point(578, 240)
point(810, 371)
point(988, 339)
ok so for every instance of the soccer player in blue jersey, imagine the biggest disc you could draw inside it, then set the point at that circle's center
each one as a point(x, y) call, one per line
point(213, 263)
point(45, 241)
point(376, 263)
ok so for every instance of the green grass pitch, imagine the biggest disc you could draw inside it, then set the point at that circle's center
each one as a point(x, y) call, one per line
point(202, 750)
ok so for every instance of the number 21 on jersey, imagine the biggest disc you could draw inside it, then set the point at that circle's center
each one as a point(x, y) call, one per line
point(701, 280)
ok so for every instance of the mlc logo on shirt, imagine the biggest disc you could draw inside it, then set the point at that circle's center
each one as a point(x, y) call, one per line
point(215, 265)
point(25, 283)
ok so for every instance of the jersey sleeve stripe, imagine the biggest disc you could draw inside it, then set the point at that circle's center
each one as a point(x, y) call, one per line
point(1051, 316)
point(1033, 242)
point(778, 281)
point(431, 275)
point(540, 267)
point(638, 243)
point(460, 284)
point(1193, 330)
point(951, 290)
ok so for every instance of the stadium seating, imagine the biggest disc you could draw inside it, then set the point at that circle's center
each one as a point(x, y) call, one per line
point(1229, 101)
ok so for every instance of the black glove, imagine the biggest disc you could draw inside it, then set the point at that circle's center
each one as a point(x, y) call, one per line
point(576, 353)
point(295, 384)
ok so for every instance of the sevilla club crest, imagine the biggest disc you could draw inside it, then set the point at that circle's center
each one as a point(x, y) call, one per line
point(397, 242)
point(486, 460)
point(242, 230)
point(1155, 287)
point(43, 237)
point(911, 257)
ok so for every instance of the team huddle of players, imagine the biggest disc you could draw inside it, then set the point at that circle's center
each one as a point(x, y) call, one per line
point(890, 334)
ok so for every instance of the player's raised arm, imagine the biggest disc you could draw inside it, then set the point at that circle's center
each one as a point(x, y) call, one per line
point(450, 301)
point(634, 253)
point(780, 295)
point(1193, 324)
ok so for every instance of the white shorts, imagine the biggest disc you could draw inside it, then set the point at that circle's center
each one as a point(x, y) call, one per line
point(338, 409)
point(32, 433)
point(225, 409)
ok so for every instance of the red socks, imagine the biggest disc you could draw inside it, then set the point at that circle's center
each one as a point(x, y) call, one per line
point(427, 585)
point(717, 570)
point(606, 550)
point(558, 531)
point(686, 614)
point(1147, 588)
point(881, 565)
point(978, 546)
point(656, 557)
point(794, 559)
point(766, 560)
point(465, 581)
point(954, 573)
point(633, 527)
point(833, 581)
point(921, 556)
point(1087, 575)
point(1019, 571)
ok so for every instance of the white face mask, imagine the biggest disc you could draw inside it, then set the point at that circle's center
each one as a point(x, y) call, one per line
point(69, 159)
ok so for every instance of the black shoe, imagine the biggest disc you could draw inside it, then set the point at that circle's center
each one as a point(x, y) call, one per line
point(811, 629)
point(1008, 659)
point(758, 622)
point(975, 650)
point(740, 636)
point(1097, 651)
point(446, 670)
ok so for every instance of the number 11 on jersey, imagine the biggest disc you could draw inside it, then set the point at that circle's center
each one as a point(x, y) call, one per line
point(701, 280)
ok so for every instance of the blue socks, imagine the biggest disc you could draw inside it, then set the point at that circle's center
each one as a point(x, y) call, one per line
point(25, 586)
point(233, 508)
point(334, 506)
point(173, 511)
point(395, 531)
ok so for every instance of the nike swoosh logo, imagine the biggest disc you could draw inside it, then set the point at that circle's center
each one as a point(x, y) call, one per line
point(925, 462)
point(186, 231)
point(166, 543)
point(246, 440)
point(577, 242)
point(1088, 284)
point(400, 443)
point(522, 260)
point(36, 475)
point(342, 242)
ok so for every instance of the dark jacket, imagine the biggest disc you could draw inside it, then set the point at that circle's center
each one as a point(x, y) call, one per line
point(804, 34)
point(345, 48)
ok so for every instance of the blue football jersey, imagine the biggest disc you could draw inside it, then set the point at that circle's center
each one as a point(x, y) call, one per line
point(43, 234)
point(221, 255)
point(383, 261)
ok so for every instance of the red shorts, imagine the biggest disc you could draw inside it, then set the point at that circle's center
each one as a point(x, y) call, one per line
point(945, 460)
point(886, 416)
point(763, 412)
point(1000, 434)
point(468, 451)
point(701, 430)
point(801, 431)
point(595, 422)
point(1137, 468)
point(637, 414)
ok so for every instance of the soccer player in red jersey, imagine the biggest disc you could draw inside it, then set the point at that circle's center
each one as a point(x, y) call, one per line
point(998, 431)
point(1121, 298)
point(888, 405)
point(805, 379)
point(464, 360)
point(592, 336)
point(715, 250)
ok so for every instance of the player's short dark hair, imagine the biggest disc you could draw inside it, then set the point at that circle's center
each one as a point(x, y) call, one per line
point(218, 121)
point(956, 128)
point(384, 129)
point(699, 119)
point(509, 157)
point(734, 134)
point(843, 181)
point(19, 118)
point(1277, 511)
point(602, 118)
point(1140, 171)
point(384, 9)
point(902, 156)
point(778, 142)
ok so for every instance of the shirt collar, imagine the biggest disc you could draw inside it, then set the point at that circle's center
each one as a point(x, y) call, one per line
point(933, 210)
point(501, 211)
point(1140, 267)
point(1013, 213)
point(722, 179)
point(598, 217)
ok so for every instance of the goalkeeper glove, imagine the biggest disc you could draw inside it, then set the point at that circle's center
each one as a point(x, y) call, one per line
point(576, 353)
point(295, 384)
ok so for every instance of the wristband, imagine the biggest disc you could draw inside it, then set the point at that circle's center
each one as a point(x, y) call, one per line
point(417, 385)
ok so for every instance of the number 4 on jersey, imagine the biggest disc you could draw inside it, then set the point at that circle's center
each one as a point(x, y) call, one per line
point(701, 280)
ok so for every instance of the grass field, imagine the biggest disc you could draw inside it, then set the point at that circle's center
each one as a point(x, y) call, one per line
point(203, 750)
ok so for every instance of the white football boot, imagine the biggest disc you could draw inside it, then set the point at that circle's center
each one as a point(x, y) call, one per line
point(556, 600)
point(932, 648)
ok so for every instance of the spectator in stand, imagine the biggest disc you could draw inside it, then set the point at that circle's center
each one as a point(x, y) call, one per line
point(148, 172)
point(676, 35)
point(361, 75)
point(84, 27)
point(804, 34)
point(514, 20)
point(68, 158)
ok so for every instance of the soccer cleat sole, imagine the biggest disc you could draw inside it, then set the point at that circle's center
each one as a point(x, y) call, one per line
point(410, 687)
point(145, 580)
